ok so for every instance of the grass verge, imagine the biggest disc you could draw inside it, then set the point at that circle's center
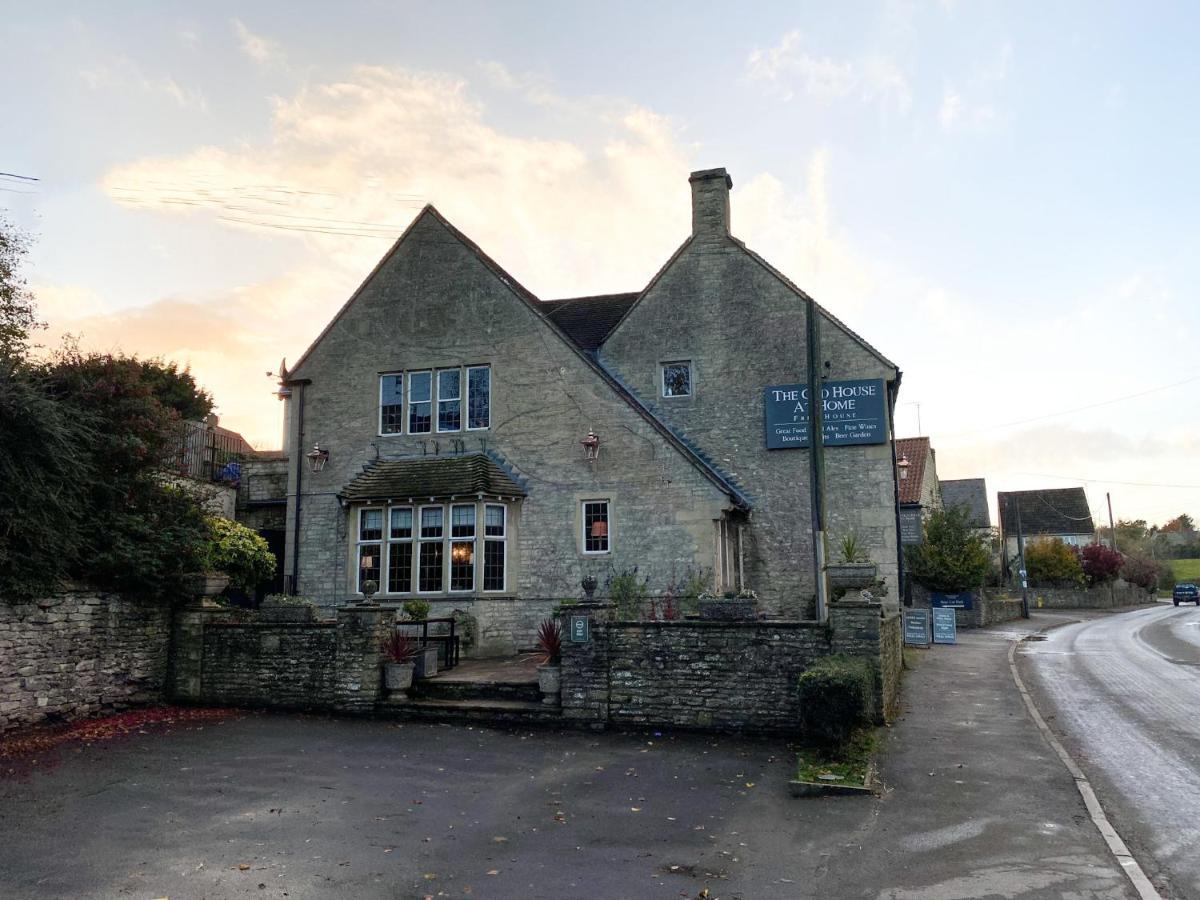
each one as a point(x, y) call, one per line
point(850, 763)
point(1185, 569)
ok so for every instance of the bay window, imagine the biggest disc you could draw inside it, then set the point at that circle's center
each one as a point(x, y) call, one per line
point(429, 576)
point(370, 546)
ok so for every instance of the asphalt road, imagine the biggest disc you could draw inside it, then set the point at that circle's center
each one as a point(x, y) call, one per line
point(305, 807)
point(1124, 694)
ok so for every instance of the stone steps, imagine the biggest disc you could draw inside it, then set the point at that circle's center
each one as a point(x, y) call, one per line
point(489, 711)
point(441, 688)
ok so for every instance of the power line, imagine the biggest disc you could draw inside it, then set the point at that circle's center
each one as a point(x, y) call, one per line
point(1110, 481)
point(1076, 409)
point(18, 177)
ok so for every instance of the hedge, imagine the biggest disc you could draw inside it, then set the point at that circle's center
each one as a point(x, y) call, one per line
point(835, 698)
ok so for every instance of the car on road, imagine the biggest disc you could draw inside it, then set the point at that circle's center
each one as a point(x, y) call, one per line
point(1186, 593)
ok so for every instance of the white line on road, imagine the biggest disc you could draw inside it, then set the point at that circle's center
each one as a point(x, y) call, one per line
point(1116, 846)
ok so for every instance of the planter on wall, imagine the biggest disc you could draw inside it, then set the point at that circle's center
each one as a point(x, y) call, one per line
point(398, 676)
point(732, 610)
point(299, 614)
point(205, 584)
point(549, 683)
point(852, 575)
point(426, 662)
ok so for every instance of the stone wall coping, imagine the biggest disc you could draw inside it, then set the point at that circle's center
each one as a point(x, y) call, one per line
point(711, 624)
point(855, 604)
point(292, 626)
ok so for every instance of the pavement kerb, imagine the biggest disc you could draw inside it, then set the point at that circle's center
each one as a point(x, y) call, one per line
point(1145, 888)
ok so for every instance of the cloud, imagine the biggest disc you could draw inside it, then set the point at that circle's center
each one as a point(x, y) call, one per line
point(787, 68)
point(263, 51)
point(971, 108)
point(123, 74)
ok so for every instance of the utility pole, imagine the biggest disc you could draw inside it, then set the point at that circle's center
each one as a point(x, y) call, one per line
point(1112, 529)
point(816, 457)
point(1021, 556)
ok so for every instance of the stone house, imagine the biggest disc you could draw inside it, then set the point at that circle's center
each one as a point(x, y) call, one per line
point(452, 437)
point(918, 488)
point(1061, 513)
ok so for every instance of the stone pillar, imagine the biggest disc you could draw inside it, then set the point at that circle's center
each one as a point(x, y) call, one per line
point(360, 632)
point(854, 629)
point(184, 679)
point(584, 690)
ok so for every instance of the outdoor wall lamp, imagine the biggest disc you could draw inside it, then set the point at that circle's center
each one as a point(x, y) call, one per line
point(902, 464)
point(591, 446)
point(317, 458)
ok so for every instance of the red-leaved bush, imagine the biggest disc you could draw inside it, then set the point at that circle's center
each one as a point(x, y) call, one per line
point(1101, 564)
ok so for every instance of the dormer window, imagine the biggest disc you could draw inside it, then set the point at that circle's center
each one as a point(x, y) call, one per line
point(677, 378)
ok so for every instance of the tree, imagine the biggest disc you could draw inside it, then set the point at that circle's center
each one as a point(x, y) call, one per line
point(1053, 563)
point(952, 557)
point(1182, 523)
point(1133, 535)
point(1144, 572)
point(18, 313)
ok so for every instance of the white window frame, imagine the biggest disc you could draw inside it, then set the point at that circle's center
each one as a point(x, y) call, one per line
point(408, 400)
point(467, 411)
point(583, 526)
point(502, 540)
point(662, 378)
point(451, 540)
point(403, 405)
point(411, 541)
point(359, 543)
point(438, 399)
point(421, 540)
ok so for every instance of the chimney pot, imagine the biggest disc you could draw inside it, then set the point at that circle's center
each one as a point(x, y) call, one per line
point(710, 202)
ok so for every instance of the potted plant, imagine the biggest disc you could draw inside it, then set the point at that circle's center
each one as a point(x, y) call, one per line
point(398, 665)
point(729, 606)
point(550, 671)
point(854, 569)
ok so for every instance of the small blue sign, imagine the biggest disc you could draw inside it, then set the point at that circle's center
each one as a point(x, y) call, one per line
point(916, 627)
point(944, 626)
point(964, 600)
point(855, 412)
point(580, 630)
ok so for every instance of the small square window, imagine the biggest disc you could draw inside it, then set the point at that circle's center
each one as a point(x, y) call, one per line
point(677, 379)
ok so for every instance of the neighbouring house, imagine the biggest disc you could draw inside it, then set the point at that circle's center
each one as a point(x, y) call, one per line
point(208, 454)
point(971, 494)
point(1054, 513)
point(450, 436)
point(918, 490)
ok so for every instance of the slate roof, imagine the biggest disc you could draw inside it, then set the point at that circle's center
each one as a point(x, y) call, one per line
point(971, 493)
point(587, 321)
point(1054, 511)
point(917, 451)
point(432, 477)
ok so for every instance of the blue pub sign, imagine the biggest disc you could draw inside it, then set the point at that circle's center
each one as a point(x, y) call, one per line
point(855, 412)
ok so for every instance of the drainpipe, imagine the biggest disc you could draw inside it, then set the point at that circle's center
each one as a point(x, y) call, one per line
point(297, 447)
point(816, 457)
point(901, 575)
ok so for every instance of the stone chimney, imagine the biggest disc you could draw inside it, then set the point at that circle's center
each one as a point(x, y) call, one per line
point(710, 203)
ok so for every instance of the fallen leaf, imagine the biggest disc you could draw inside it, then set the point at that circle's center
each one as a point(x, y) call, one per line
point(242, 867)
point(493, 871)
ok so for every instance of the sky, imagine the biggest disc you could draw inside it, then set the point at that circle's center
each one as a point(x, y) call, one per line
point(1001, 197)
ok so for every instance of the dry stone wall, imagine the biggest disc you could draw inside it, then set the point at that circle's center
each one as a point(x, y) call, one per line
point(80, 653)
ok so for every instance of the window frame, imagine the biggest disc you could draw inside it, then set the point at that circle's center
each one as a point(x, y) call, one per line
point(440, 540)
point(403, 405)
point(408, 400)
point(583, 526)
point(410, 541)
point(467, 417)
point(502, 540)
point(451, 540)
point(662, 379)
point(359, 543)
point(438, 399)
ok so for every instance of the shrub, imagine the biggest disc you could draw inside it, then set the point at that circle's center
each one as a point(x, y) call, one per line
point(953, 557)
point(467, 627)
point(417, 609)
point(239, 552)
point(628, 593)
point(1144, 571)
point(1052, 563)
point(851, 550)
point(835, 698)
point(1100, 564)
point(550, 641)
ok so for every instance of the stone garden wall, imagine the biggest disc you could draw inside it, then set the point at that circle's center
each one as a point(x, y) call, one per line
point(80, 653)
point(718, 675)
point(226, 658)
point(990, 607)
point(1105, 596)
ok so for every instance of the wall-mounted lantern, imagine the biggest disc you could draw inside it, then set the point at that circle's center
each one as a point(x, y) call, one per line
point(317, 458)
point(591, 446)
point(902, 465)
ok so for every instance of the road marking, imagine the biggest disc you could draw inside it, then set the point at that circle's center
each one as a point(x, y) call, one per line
point(1116, 846)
